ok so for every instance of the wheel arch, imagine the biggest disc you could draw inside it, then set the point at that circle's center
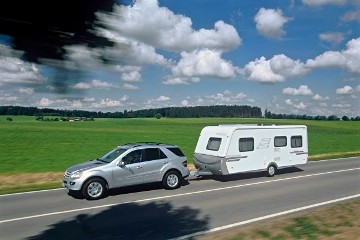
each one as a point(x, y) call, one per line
point(96, 176)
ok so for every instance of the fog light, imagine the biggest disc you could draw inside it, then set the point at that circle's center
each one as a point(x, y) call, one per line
point(72, 183)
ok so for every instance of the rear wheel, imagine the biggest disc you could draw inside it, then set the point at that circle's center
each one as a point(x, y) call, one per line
point(271, 170)
point(172, 180)
point(94, 188)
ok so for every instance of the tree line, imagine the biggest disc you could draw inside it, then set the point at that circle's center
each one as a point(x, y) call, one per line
point(173, 112)
point(269, 114)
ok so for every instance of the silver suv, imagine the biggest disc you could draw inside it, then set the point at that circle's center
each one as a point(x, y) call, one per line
point(126, 165)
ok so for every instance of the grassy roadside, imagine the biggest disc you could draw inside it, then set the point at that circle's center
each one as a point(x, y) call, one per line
point(339, 221)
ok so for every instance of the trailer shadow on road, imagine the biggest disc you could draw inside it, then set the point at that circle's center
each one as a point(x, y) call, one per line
point(248, 175)
point(153, 220)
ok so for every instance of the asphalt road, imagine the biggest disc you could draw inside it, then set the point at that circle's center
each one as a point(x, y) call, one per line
point(150, 212)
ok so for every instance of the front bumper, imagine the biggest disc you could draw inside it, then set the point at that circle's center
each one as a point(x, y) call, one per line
point(72, 184)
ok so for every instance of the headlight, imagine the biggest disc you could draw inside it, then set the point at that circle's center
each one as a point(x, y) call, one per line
point(76, 174)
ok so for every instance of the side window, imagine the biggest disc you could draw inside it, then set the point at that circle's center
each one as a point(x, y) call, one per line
point(280, 141)
point(133, 157)
point(176, 151)
point(296, 141)
point(153, 154)
point(246, 144)
point(213, 144)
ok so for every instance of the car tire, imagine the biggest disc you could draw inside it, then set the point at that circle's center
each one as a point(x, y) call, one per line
point(94, 188)
point(172, 180)
point(271, 170)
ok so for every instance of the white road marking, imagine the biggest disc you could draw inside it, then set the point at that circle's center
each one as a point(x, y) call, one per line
point(57, 189)
point(189, 236)
point(38, 191)
point(175, 195)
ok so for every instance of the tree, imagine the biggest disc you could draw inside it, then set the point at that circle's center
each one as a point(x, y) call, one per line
point(158, 115)
point(345, 118)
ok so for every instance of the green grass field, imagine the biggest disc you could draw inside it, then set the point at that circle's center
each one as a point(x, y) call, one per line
point(27, 145)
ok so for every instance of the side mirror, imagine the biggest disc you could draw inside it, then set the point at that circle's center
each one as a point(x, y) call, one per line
point(121, 164)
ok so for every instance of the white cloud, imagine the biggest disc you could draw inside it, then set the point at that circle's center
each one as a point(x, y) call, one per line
point(103, 85)
point(125, 98)
point(332, 37)
point(289, 102)
point(341, 105)
point(82, 85)
point(133, 76)
point(351, 16)
point(185, 103)
point(303, 90)
point(270, 22)
point(145, 21)
point(285, 66)
point(226, 97)
point(277, 69)
point(16, 71)
point(348, 58)
point(44, 102)
point(128, 86)
point(316, 3)
point(8, 98)
point(107, 103)
point(96, 84)
point(300, 105)
point(181, 80)
point(260, 70)
point(162, 99)
point(26, 90)
point(346, 90)
point(127, 51)
point(88, 99)
point(82, 56)
point(317, 97)
point(203, 63)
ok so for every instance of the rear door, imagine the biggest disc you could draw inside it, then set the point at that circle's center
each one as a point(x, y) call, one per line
point(154, 160)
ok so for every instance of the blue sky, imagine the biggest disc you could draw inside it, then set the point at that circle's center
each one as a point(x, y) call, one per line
point(300, 57)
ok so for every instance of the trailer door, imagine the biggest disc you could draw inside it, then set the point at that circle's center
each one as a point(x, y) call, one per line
point(245, 159)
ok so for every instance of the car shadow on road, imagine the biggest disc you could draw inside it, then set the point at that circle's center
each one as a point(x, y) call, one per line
point(127, 190)
point(152, 220)
point(249, 175)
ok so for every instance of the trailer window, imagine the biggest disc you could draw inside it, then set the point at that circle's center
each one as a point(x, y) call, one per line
point(246, 144)
point(213, 144)
point(280, 141)
point(296, 141)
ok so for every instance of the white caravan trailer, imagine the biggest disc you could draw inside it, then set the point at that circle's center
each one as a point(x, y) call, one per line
point(229, 149)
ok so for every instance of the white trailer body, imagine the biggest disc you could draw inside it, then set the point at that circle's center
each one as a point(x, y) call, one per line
point(229, 149)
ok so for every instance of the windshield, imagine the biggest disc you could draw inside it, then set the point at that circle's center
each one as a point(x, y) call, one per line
point(112, 155)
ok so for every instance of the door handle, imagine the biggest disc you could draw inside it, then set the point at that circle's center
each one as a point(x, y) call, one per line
point(138, 167)
point(165, 162)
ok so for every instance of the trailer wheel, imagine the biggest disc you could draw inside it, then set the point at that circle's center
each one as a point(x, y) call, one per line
point(271, 170)
point(172, 180)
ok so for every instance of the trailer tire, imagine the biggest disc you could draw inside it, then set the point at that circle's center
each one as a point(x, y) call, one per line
point(271, 170)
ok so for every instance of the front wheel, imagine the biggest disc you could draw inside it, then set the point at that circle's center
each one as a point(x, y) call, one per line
point(94, 188)
point(271, 170)
point(172, 180)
